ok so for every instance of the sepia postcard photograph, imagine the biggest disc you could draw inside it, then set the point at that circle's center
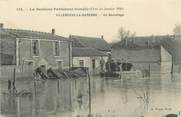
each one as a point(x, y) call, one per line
point(90, 58)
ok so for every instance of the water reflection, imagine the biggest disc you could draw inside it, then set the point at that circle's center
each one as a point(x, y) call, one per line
point(126, 97)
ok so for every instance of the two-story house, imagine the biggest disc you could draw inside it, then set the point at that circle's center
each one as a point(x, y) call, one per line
point(25, 50)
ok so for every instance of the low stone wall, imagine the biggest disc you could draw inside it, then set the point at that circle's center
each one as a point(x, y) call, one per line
point(137, 55)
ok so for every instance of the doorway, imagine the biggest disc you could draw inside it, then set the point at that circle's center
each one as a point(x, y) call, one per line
point(93, 64)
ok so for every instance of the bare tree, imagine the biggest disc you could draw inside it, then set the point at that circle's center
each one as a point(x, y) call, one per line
point(177, 30)
point(125, 35)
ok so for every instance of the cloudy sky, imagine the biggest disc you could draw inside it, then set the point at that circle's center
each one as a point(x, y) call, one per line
point(145, 17)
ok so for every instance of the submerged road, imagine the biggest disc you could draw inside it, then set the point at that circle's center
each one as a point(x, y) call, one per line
point(126, 97)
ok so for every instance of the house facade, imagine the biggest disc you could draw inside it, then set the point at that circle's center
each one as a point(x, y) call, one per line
point(88, 57)
point(25, 50)
point(89, 52)
point(171, 47)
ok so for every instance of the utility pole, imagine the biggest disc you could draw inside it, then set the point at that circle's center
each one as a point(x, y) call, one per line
point(89, 84)
point(126, 43)
point(69, 55)
point(14, 80)
point(148, 43)
point(149, 68)
point(172, 68)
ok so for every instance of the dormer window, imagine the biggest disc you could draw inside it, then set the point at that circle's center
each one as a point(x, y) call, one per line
point(35, 47)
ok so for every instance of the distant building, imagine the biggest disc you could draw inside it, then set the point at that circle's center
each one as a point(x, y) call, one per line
point(152, 50)
point(138, 49)
point(26, 50)
point(171, 46)
point(141, 51)
point(88, 52)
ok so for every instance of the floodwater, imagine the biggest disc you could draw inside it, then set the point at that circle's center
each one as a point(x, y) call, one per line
point(127, 97)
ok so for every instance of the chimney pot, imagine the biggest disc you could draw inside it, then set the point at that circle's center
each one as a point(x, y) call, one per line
point(102, 37)
point(53, 31)
point(1, 25)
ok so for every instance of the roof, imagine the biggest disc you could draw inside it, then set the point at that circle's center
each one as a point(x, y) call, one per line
point(29, 34)
point(91, 42)
point(173, 46)
point(140, 42)
point(83, 52)
point(169, 42)
point(8, 36)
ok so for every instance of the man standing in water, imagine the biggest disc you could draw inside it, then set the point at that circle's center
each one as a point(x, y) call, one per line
point(120, 70)
point(108, 63)
point(102, 62)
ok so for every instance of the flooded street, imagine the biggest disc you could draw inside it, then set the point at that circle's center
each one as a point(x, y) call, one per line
point(127, 97)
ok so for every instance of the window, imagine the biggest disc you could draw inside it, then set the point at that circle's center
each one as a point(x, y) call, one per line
point(56, 48)
point(35, 47)
point(81, 63)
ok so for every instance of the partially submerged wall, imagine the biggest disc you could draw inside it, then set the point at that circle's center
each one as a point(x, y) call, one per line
point(7, 71)
point(136, 55)
point(142, 59)
point(88, 63)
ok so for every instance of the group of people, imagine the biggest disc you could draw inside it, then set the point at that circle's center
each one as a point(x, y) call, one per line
point(112, 66)
point(109, 66)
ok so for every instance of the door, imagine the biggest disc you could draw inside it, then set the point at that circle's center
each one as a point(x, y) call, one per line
point(81, 63)
point(93, 64)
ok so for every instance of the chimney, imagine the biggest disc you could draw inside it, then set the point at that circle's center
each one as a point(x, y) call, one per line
point(70, 36)
point(1, 25)
point(102, 37)
point(53, 31)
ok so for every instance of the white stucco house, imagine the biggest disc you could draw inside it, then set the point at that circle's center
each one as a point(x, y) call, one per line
point(88, 52)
